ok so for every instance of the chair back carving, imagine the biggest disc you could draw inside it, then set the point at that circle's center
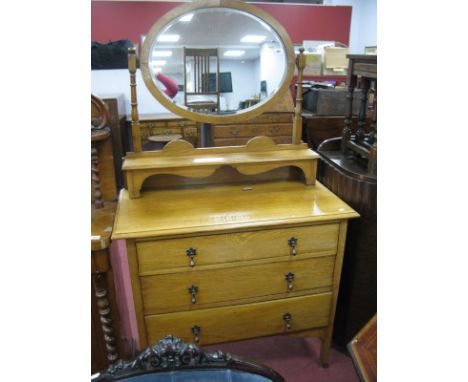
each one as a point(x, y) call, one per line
point(172, 355)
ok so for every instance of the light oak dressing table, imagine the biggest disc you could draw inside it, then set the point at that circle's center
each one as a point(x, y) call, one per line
point(228, 243)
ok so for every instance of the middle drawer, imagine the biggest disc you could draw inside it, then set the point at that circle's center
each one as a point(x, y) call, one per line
point(200, 289)
point(160, 255)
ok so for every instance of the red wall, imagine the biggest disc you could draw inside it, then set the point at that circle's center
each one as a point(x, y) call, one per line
point(116, 20)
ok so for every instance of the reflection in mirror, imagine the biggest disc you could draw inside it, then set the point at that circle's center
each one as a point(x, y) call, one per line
point(218, 61)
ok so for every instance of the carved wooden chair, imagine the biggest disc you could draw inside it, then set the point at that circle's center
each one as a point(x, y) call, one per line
point(172, 360)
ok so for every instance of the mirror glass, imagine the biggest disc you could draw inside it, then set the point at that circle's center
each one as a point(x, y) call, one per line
point(217, 61)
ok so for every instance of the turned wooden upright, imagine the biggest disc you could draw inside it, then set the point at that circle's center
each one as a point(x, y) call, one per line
point(104, 343)
point(364, 68)
point(260, 155)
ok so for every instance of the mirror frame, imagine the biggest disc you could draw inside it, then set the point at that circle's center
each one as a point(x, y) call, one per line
point(210, 118)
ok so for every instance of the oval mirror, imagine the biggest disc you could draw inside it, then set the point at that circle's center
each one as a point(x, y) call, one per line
point(217, 61)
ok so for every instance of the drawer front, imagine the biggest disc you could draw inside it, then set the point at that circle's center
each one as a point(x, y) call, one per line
point(181, 123)
point(277, 129)
point(273, 118)
point(220, 142)
point(157, 256)
point(165, 131)
point(242, 321)
point(199, 289)
point(153, 124)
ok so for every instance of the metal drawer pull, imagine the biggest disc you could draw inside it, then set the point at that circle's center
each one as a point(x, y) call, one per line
point(191, 252)
point(196, 333)
point(193, 290)
point(293, 243)
point(289, 278)
point(287, 318)
point(234, 131)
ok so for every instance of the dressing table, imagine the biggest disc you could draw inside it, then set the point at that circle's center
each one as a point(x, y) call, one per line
point(235, 242)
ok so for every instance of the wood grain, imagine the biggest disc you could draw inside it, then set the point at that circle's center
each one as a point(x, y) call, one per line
point(160, 255)
point(169, 292)
point(243, 321)
point(259, 155)
point(363, 350)
point(229, 208)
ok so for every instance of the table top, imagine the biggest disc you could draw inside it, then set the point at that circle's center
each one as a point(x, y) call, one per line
point(226, 208)
point(101, 225)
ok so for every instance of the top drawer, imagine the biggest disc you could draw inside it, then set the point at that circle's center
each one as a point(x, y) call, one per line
point(159, 255)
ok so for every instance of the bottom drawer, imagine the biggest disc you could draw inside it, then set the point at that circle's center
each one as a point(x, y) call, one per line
point(242, 321)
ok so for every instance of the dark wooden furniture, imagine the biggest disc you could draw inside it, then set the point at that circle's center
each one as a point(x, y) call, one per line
point(119, 141)
point(200, 61)
point(363, 351)
point(172, 360)
point(360, 143)
point(352, 179)
point(104, 337)
point(318, 128)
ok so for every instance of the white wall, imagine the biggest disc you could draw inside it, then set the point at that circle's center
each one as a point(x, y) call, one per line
point(272, 62)
point(243, 81)
point(117, 81)
point(363, 23)
point(114, 81)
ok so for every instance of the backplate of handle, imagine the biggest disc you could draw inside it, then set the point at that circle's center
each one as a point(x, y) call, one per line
point(196, 333)
point(287, 318)
point(292, 242)
point(289, 277)
point(193, 290)
point(191, 253)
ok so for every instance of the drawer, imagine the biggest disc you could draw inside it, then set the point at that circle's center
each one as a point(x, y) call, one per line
point(153, 124)
point(242, 321)
point(273, 118)
point(175, 291)
point(190, 131)
point(219, 142)
point(159, 255)
point(181, 123)
point(277, 129)
point(165, 131)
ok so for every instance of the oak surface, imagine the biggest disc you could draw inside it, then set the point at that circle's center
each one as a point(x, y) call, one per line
point(163, 213)
point(243, 321)
point(169, 292)
point(162, 255)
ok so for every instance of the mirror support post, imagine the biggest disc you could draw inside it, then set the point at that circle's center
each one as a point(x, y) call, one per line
point(297, 129)
point(132, 66)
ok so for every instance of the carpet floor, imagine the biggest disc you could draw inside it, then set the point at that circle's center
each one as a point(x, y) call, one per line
point(295, 358)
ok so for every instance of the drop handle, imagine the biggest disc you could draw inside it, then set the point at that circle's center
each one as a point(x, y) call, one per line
point(293, 243)
point(196, 333)
point(287, 319)
point(289, 277)
point(191, 253)
point(193, 290)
